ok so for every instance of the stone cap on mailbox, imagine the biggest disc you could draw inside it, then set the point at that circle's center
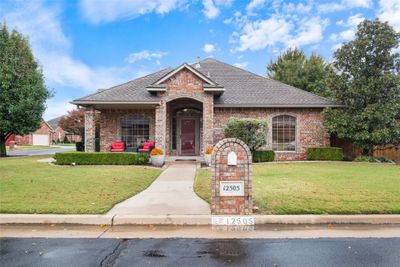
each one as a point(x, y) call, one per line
point(225, 143)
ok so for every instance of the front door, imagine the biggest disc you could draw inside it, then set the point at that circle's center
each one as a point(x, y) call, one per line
point(188, 137)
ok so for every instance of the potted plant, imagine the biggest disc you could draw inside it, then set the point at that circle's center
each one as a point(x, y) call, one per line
point(207, 155)
point(157, 157)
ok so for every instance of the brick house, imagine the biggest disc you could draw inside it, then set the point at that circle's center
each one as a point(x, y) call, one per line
point(41, 136)
point(184, 110)
point(59, 133)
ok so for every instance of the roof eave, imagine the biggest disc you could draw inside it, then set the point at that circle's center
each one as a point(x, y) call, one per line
point(277, 106)
point(82, 102)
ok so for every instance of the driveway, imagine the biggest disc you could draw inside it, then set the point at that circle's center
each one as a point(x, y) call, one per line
point(49, 151)
point(170, 194)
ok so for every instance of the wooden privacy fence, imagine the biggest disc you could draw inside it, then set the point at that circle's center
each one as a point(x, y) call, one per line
point(390, 152)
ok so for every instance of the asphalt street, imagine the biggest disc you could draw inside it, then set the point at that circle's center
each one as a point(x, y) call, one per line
point(200, 252)
point(40, 151)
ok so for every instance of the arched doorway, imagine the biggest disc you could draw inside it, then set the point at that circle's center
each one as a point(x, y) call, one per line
point(184, 127)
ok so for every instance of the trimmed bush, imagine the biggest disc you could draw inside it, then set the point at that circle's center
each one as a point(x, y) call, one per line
point(80, 146)
point(325, 153)
point(263, 156)
point(252, 132)
point(101, 158)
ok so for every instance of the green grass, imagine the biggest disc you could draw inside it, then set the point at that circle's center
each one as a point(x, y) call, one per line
point(320, 188)
point(28, 186)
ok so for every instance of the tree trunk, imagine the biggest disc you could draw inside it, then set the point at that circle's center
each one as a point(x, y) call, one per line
point(3, 151)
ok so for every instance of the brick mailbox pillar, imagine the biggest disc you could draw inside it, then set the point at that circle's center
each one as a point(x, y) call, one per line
point(231, 189)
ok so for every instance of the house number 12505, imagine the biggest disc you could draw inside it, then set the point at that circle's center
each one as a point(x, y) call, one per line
point(231, 188)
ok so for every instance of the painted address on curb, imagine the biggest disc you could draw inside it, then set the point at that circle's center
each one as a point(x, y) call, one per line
point(232, 220)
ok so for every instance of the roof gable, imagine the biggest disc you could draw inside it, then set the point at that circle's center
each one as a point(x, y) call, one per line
point(209, 86)
point(181, 67)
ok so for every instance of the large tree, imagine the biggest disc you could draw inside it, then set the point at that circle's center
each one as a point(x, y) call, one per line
point(22, 90)
point(367, 82)
point(294, 68)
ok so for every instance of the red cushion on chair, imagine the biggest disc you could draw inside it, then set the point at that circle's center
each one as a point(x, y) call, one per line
point(117, 146)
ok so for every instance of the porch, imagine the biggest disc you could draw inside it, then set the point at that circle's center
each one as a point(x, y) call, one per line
point(177, 126)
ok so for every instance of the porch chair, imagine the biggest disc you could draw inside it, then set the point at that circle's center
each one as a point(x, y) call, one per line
point(117, 147)
point(146, 147)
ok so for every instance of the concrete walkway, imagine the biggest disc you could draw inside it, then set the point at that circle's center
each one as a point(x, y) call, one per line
point(170, 194)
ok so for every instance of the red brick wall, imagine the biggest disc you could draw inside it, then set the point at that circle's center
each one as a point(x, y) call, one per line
point(310, 131)
point(26, 140)
point(58, 133)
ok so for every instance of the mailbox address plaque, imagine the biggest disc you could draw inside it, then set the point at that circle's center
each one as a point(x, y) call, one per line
point(231, 188)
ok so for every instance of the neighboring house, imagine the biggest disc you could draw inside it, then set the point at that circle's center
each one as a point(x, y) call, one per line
point(59, 133)
point(184, 110)
point(40, 137)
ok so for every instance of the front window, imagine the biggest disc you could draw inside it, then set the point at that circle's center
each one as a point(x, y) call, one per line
point(284, 133)
point(134, 131)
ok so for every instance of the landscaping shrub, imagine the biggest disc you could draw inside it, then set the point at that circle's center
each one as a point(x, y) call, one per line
point(252, 132)
point(372, 159)
point(65, 141)
point(325, 153)
point(101, 158)
point(80, 146)
point(263, 156)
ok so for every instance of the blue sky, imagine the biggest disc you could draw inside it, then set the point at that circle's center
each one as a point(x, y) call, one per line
point(90, 44)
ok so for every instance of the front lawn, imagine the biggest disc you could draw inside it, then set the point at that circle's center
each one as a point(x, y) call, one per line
point(320, 188)
point(28, 186)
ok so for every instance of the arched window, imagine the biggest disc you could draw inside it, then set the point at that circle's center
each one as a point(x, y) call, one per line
point(284, 133)
point(134, 131)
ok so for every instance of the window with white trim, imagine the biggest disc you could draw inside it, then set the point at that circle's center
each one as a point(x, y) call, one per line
point(284, 133)
point(134, 131)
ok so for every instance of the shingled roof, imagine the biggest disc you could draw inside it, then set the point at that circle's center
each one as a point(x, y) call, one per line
point(54, 123)
point(242, 89)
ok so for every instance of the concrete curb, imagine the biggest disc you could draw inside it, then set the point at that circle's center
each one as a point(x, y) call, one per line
point(162, 219)
point(55, 219)
point(191, 219)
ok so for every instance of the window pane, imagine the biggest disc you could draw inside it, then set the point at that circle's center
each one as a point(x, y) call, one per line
point(134, 131)
point(284, 133)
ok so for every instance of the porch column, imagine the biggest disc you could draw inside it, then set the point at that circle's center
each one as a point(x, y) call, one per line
point(161, 125)
point(90, 129)
point(208, 123)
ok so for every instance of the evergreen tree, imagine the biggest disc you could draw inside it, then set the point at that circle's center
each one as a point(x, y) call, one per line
point(22, 90)
point(295, 69)
point(367, 81)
